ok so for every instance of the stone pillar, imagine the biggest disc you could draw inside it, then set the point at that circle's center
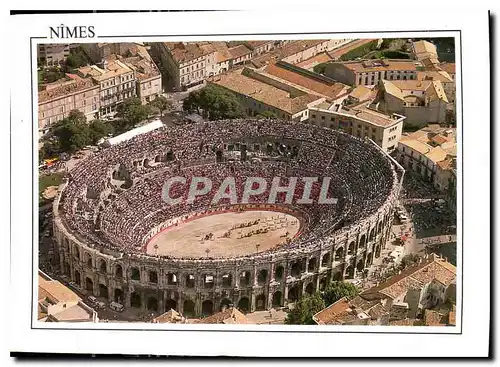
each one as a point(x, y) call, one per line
point(127, 298)
point(252, 302)
point(61, 261)
point(96, 285)
point(161, 302)
point(254, 276)
point(180, 304)
point(197, 305)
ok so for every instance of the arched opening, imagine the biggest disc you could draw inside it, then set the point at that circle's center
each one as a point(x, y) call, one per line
point(350, 249)
point(135, 300)
point(362, 241)
point(77, 254)
point(372, 234)
point(171, 279)
point(119, 296)
point(360, 265)
point(369, 259)
point(227, 280)
point(349, 274)
point(170, 304)
point(157, 158)
point(310, 289)
point(102, 266)
point(89, 285)
point(170, 156)
point(207, 308)
point(88, 259)
point(244, 279)
point(262, 277)
point(377, 251)
point(208, 281)
point(78, 279)
point(119, 271)
point(293, 294)
point(190, 281)
point(218, 156)
point(67, 268)
point(152, 304)
point(325, 261)
point(322, 284)
point(225, 303)
point(188, 309)
point(379, 227)
point(277, 296)
point(103, 291)
point(339, 254)
point(278, 274)
point(153, 277)
point(311, 266)
point(244, 304)
point(260, 302)
point(337, 276)
point(135, 274)
point(295, 270)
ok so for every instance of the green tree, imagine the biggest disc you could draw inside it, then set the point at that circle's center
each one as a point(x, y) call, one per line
point(337, 290)
point(99, 130)
point(409, 260)
point(268, 115)
point(304, 310)
point(132, 111)
point(214, 103)
point(161, 104)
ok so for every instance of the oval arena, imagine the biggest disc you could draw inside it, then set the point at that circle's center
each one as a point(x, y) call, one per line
point(118, 239)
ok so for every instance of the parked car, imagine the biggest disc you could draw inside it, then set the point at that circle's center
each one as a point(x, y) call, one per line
point(116, 306)
point(92, 300)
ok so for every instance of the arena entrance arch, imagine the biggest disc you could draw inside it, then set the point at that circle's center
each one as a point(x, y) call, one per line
point(225, 303)
point(227, 280)
point(135, 300)
point(262, 277)
point(244, 304)
point(188, 309)
point(350, 249)
point(295, 270)
point(207, 308)
point(349, 273)
point(277, 299)
point(152, 303)
point(322, 284)
point(260, 302)
point(310, 289)
point(360, 265)
point(369, 259)
point(170, 304)
point(293, 294)
point(339, 254)
point(325, 260)
point(103, 291)
point(119, 271)
point(78, 279)
point(89, 285)
point(311, 266)
point(118, 295)
point(278, 274)
point(245, 278)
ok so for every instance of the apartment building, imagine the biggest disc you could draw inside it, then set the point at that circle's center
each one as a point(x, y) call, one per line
point(422, 50)
point(116, 80)
point(360, 120)
point(447, 81)
point(56, 100)
point(100, 51)
point(423, 102)
point(259, 92)
point(430, 152)
point(52, 54)
point(370, 72)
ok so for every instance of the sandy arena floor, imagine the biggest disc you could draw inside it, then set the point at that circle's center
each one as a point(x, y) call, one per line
point(189, 239)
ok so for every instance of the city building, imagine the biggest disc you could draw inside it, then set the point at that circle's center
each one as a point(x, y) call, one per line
point(52, 54)
point(446, 80)
point(116, 80)
point(169, 317)
point(97, 52)
point(58, 303)
point(430, 152)
point(259, 92)
point(370, 72)
point(421, 101)
point(355, 115)
point(424, 50)
point(228, 316)
point(56, 100)
point(422, 294)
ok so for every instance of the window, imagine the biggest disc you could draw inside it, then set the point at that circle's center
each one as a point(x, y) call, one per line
point(322, 117)
point(313, 115)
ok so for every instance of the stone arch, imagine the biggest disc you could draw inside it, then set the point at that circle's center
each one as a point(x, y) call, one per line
point(157, 158)
point(295, 269)
point(78, 279)
point(293, 294)
point(103, 291)
point(372, 234)
point(89, 285)
point(360, 266)
point(260, 302)
point(135, 274)
point(339, 254)
point(322, 284)
point(325, 260)
point(337, 276)
point(88, 259)
point(207, 308)
point(188, 308)
point(135, 300)
point(118, 271)
point(77, 253)
point(171, 279)
point(103, 268)
point(170, 304)
point(379, 230)
point(362, 240)
point(349, 273)
point(310, 289)
point(245, 278)
point(227, 280)
point(377, 251)
point(208, 281)
point(190, 281)
point(118, 296)
point(152, 303)
point(225, 303)
point(311, 265)
point(277, 299)
point(153, 276)
point(244, 304)
point(279, 272)
point(369, 259)
point(262, 276)
point(351, 248)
